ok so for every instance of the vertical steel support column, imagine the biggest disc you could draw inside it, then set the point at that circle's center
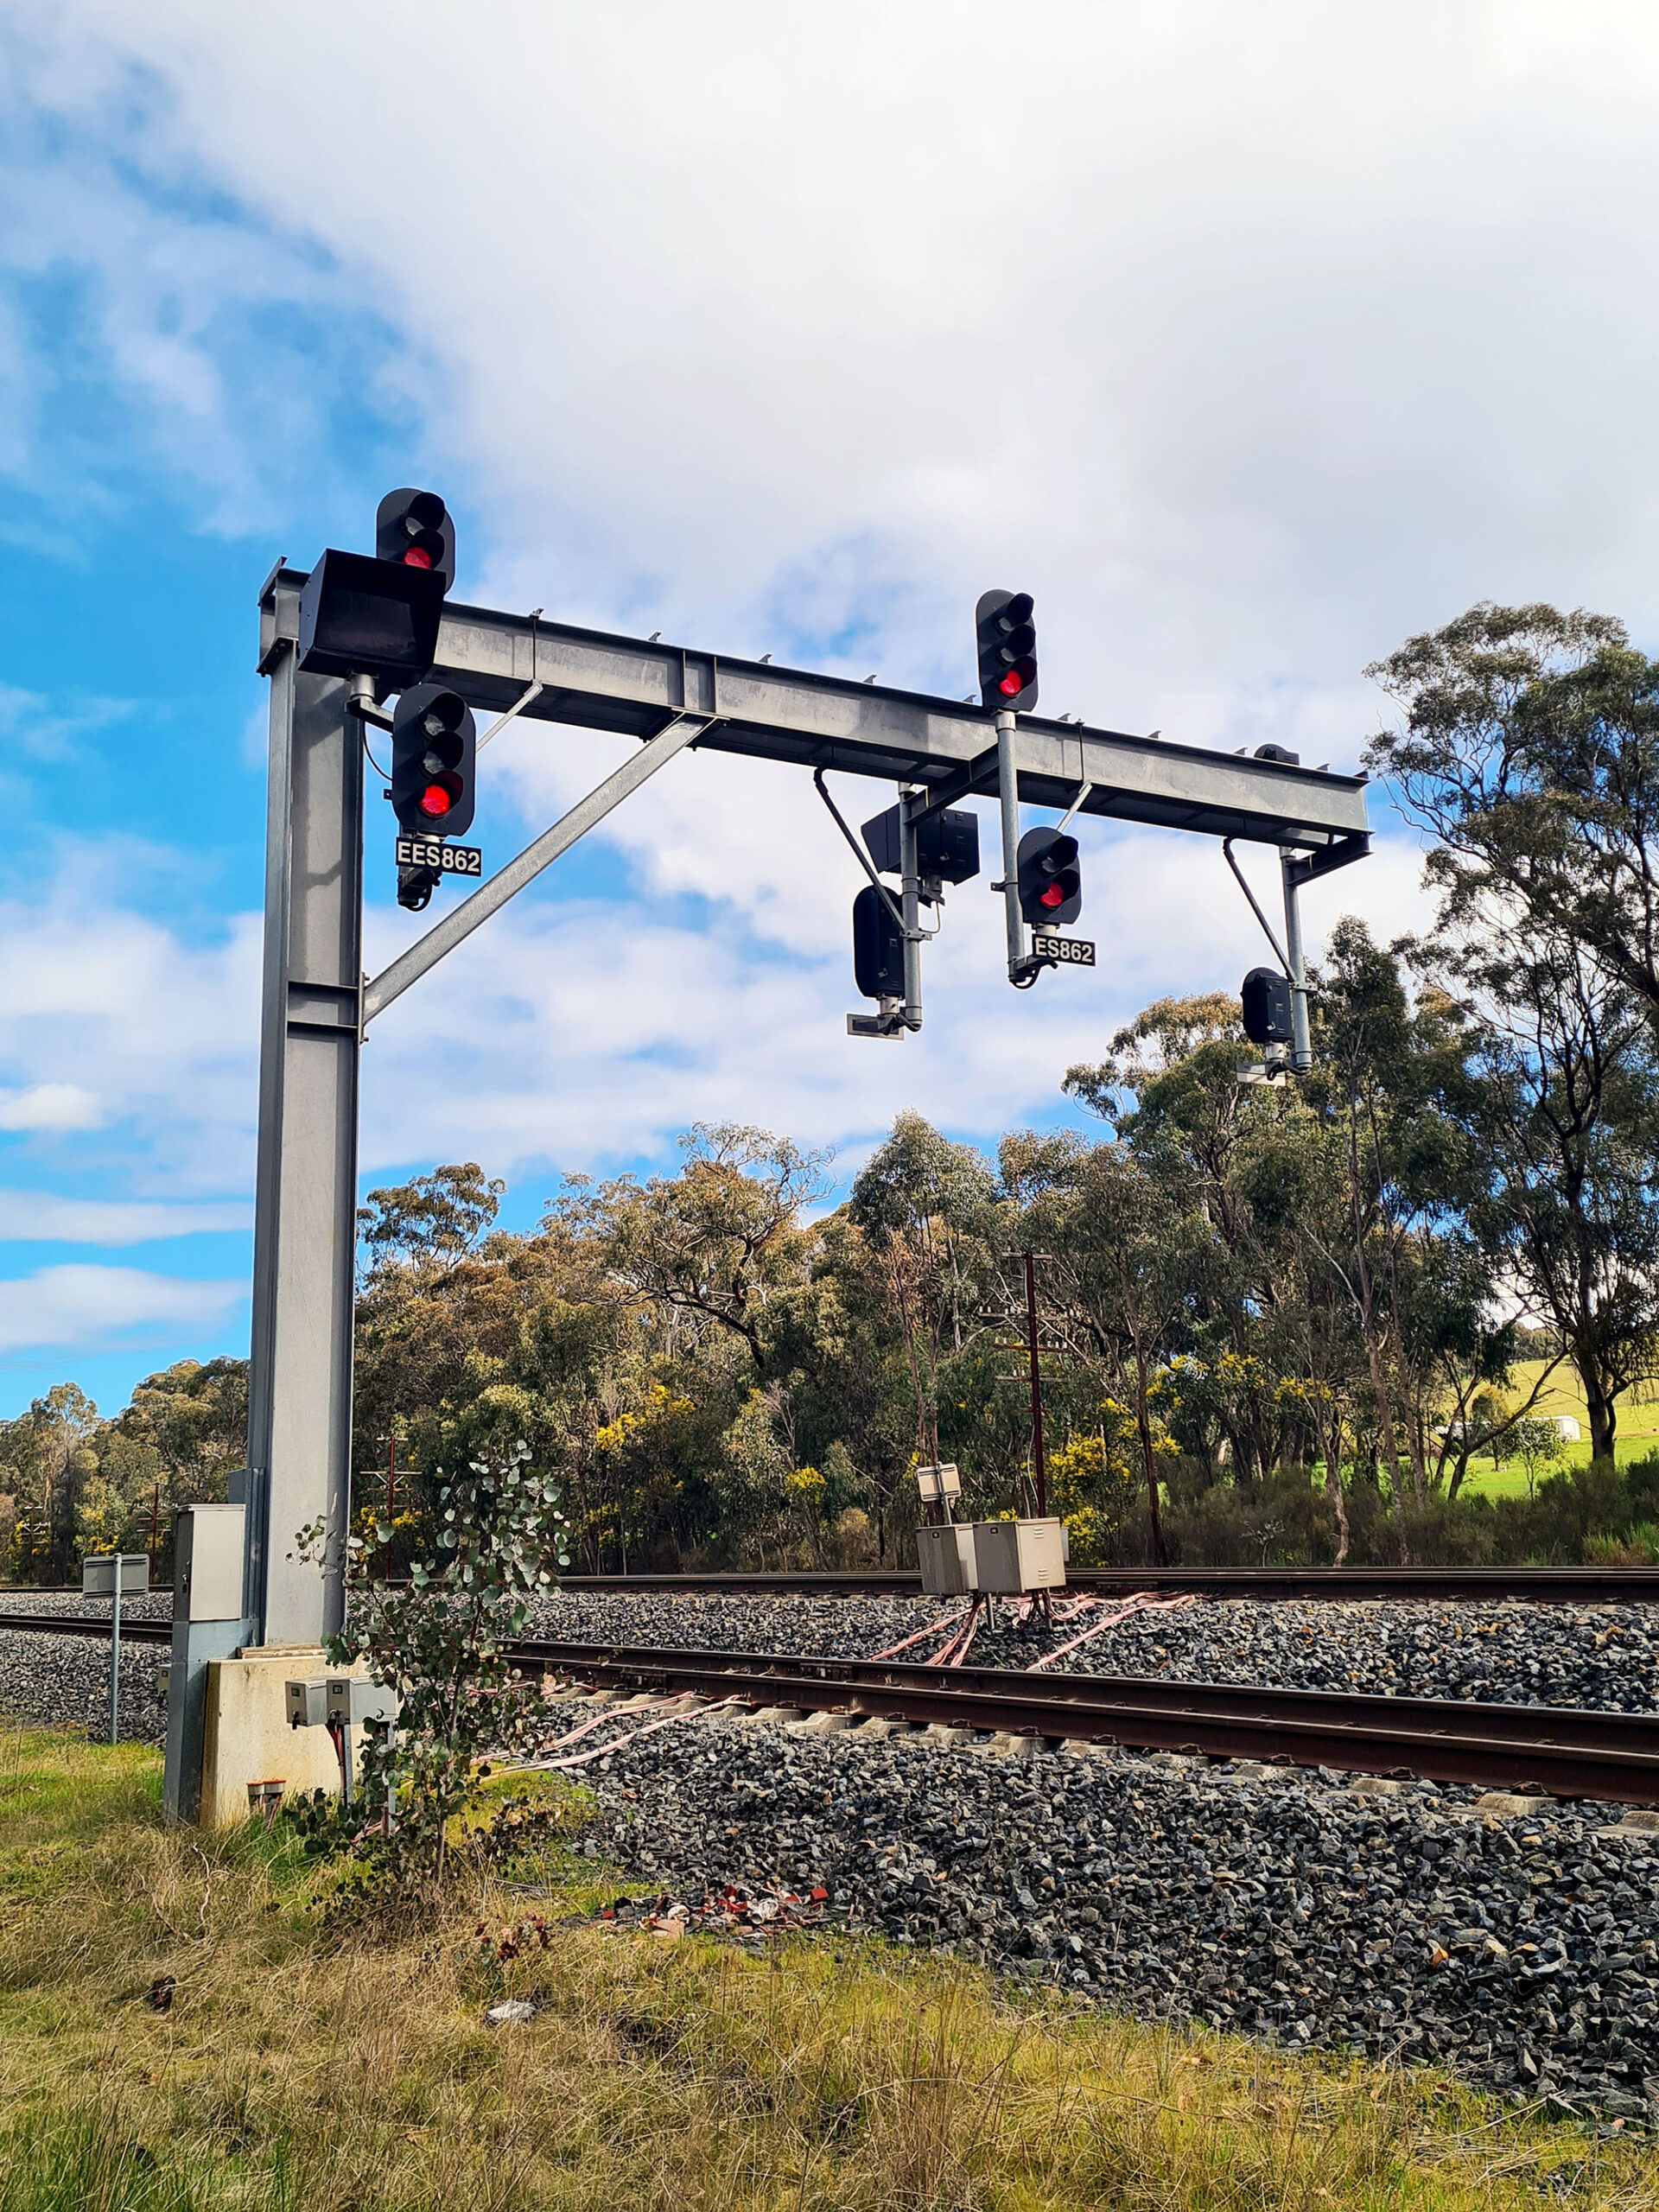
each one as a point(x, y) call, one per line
point(300, 1386)
point(910, 900)
point(1007, 787)
point(1301, 1047)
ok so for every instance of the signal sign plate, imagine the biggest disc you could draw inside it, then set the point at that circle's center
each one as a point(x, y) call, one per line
point(1069, 951)
point(451, 860)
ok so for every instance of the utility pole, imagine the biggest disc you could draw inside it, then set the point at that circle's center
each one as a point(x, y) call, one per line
point(1038, 1468)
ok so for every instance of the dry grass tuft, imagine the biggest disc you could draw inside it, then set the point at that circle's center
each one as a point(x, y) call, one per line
point(327, 2067)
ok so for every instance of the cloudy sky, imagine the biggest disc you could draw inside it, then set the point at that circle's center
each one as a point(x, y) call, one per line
point(1250, 340)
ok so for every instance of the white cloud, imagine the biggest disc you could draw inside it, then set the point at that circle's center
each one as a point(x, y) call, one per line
point(113, 1015)
point(46, 1217)
point(86, 1307)
point(578, 1032)
point(49, 1106)
point(1249, 339)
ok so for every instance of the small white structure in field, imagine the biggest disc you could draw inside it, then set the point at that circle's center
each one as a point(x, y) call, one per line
point(1565, 1426)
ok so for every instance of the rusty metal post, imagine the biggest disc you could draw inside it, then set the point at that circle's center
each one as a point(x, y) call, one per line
point(1036, 1388)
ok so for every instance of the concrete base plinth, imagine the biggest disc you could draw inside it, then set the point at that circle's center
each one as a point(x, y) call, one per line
point(246, 1737)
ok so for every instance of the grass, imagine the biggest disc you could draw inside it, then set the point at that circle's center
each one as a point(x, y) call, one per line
point(1637, 1430)
point(302, 2067)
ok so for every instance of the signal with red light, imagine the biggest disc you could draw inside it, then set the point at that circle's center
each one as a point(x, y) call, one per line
point(380, 617)
point(413, 528)
point(1008, 650)
point(1050, 882)
point(434, 748)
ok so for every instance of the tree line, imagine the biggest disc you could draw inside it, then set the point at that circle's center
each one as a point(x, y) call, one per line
point(1277, 1321)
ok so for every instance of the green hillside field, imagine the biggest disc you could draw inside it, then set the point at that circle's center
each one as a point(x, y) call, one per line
point(1638, 1435)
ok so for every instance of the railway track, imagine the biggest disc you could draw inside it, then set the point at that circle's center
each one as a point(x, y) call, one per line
point(1573, 1585)
point(1568, 1586)
point(88, 1624)
point(1562, 1750)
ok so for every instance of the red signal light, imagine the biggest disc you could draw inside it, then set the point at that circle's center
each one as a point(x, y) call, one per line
point(417, 557)
point(1007, 649)
point(1054, 896)
point(435, 800)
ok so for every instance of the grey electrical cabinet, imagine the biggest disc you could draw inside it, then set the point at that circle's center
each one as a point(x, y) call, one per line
point(946, 1556)
point(351, 1701)
point(1013, 1556)
point(307, 1703)
point(207, 1562)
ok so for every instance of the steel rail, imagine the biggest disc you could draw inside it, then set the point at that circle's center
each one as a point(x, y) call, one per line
point(88, 1624)
point(1580, 1585)
point(1548, 1584)
point(1567, 1751)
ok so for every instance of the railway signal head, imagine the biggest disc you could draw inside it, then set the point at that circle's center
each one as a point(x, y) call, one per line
point(947, 845)
point(434, 745)
point(413, 529)
point(1008, 650)
point(1265, 1002)
point(1050, 882)
point(878, 947)
point(379, 616)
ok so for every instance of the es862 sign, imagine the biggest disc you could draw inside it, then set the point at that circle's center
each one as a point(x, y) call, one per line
point(451, 860)
point(1069, 951)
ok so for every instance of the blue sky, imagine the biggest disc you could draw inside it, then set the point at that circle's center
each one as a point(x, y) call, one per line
point(1316, 326)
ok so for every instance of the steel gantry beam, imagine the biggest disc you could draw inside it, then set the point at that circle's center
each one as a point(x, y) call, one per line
point(634, 689)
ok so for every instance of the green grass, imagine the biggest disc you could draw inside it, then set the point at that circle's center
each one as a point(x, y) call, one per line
point(305, 2066)
point(1637, 1431)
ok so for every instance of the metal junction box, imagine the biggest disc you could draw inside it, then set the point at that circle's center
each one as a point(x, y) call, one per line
point(307, 1703)
point(207, 1563)
point(946, 1558)
point(1011, 1556)
point(351, 1701)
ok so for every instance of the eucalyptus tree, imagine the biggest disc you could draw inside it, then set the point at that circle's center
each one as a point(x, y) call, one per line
point(1528, 745)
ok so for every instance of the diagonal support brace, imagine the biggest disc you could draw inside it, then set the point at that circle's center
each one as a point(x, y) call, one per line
point(491, 897)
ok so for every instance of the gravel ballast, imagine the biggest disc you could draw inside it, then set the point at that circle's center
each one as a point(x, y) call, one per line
point(1606, 1657)
point(64, 1681)
point(1522, 1952)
